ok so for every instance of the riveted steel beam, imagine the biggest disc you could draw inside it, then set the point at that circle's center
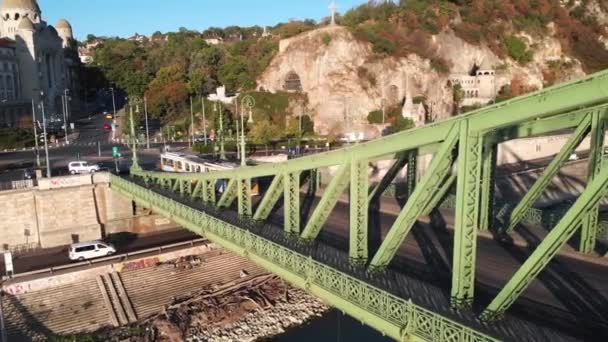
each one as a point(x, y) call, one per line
point(244, 197)
point(468, 189)
point(208, 191)
point(392, 172)
point(549, 247)
point(418, 201)
point(331, 195)
point(176, 184)
point(291, 206)
point(359, 187)
point(487, 186)
point(439, 195)
point(412, 171)
point(272, 195)
point(196, 193)
point(550, 172)
point(229, 195)
point(596, 158)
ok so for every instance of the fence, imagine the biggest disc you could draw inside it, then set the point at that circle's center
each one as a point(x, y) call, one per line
point(18, 185)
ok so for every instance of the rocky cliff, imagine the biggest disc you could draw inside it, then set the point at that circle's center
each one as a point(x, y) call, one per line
point(345, 80)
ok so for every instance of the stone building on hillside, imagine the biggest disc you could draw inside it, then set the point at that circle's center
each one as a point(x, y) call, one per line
point(479, 86)
point(35, 63)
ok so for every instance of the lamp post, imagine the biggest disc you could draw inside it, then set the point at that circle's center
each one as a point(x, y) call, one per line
point(64, 102)
point(35, 134)
point(113, 101)
point(134, 101)
point(46, 142)
point(191, 140)
point(147, 127)
point(221, 131)
point(247, 102)
point(204, 119)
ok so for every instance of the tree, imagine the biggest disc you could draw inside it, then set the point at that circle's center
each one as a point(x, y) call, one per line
point(264, 132)
point(375, 117)
point(458, 94)
point(402, 124)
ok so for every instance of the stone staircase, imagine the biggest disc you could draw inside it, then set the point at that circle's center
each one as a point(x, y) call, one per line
point(116, 301)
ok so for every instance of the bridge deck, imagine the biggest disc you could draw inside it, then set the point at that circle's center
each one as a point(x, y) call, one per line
point(520, 324)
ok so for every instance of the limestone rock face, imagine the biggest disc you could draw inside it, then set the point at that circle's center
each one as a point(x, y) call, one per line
point(345, 80)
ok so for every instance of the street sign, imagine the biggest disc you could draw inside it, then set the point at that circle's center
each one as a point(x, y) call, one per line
point(115, 152)
point(8, 263)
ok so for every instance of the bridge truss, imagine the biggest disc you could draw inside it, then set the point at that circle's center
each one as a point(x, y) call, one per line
point(463, 151)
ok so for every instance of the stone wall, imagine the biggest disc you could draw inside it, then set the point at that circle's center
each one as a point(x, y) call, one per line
point(64, 210)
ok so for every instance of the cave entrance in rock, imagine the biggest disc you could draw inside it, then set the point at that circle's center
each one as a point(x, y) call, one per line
point(292, 82)
point(392, 95)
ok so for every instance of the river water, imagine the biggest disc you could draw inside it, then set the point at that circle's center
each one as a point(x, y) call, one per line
point(332, 327)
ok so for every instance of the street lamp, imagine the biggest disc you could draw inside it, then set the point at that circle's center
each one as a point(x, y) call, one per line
point(113, 101)
point(246, 102)
point(35, 134)
point(64, 102)
point(134, 101)
point(46, 143)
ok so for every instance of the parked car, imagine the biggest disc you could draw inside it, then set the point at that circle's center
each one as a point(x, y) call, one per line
point(90, 250)
point(79, 167)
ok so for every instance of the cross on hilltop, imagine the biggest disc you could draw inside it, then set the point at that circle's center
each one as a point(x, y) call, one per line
point(333, 8)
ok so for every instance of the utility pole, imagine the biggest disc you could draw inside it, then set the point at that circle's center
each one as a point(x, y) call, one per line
point(147, 128)
point(238, 147)
point(65, 121)
point(191, 141)
point(46, 137)
point(113, 101)
point(135, 165)
point(204, 119)
point(221, 135)
point(35, 134)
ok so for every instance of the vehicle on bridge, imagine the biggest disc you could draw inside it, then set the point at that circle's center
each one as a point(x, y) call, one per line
point(183, 163)
point(78, 167)
point(90, 250)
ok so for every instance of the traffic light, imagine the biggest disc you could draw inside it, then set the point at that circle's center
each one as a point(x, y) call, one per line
point(115, 152)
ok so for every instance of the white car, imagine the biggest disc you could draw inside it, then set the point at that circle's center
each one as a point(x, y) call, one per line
point(573, 157)
point(90, 250)
point(82, 167)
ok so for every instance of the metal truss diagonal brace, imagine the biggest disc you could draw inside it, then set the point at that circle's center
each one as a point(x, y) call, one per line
point(291, 195)
point(552, 169)
point(359, 184)
point(397, 166)
point(418, 201)
point(331, 195)
point(274, 192)
point(439, 195)
point(596, 159)
point(197, 190)
point(230, 193)
point(487, 186)
point(244, 197)
point(467, 217)
point(548, 248)
point(208, 191)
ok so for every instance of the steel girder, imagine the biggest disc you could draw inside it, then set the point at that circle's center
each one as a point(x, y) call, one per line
point(208, 191)
point(291, 205)
point(548, 248)
point(230, 193)
point(487, 186)
point(330, 197)
point(550, 172)
point(418, 201)
point(395, 317)
point(359, 188)
point(394, 170)
point(275, 191)
point(468, 190)
point(596, 158)
point(198, 190)
point(412, 172)
point(244, 197)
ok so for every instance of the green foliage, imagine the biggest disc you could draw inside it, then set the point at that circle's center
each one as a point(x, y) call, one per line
point(518, 50)
point(375, 117)
point(293, 28)
point(11, 138)
point(401, 124)
point(326, 39)
point(201, 148)
point(264, 132)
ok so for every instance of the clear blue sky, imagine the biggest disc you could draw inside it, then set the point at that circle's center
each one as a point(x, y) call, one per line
point(125, 17)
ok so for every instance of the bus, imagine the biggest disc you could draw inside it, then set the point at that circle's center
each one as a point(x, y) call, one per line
point(183, 163)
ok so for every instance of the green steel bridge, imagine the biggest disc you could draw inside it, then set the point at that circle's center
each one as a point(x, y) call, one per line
point(360, 279)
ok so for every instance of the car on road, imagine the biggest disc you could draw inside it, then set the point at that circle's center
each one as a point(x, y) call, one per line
point(90, 250)
point(79, 167)
point(107, 127)
point(573, 157)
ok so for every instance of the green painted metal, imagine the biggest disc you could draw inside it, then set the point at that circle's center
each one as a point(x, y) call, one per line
point(229, 195)
point(487, 187)
point(244, 198)
point(198, 190)
point(418, 201)
point(331, 195)
point(291, 205)
point(398, 318)
point(274, 192)
point(392, 172)
point(596, 157)
point(550, 172)
point(468, 188)
point(439, 195)
point(209, 191)
point(549, 247)
point(412, 171)
point(359, 205)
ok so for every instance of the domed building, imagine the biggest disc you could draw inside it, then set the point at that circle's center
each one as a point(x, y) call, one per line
point(33, 63)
